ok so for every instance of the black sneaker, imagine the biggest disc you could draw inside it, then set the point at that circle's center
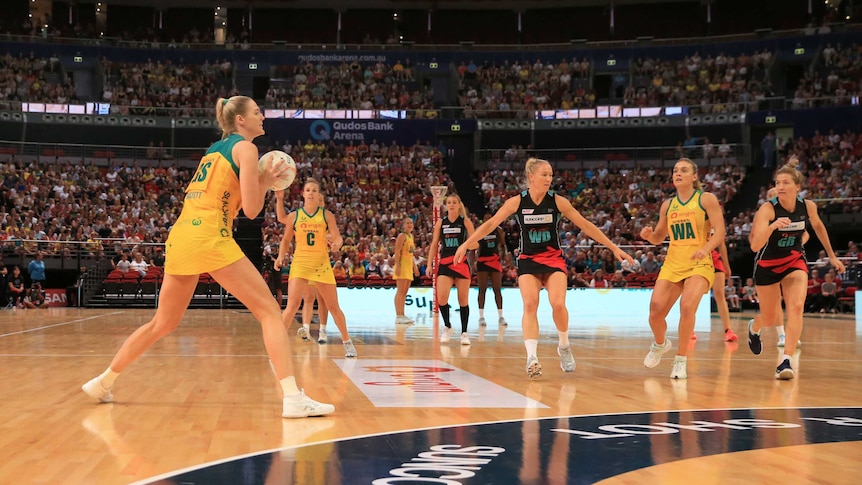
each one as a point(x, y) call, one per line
point(784, 371)
point(754, 340)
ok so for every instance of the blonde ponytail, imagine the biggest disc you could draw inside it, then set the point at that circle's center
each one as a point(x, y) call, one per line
point(227, 110)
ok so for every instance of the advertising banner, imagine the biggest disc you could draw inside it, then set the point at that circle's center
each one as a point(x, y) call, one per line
point(589, 308)
point(402, 132)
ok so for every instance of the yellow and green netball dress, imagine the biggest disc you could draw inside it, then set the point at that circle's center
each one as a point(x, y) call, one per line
point(202, 238)
point(405, 259)
point(311, 254)
point(688, 228)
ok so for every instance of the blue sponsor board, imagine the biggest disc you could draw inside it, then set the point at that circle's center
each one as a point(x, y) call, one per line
point(402, 132)
point(578, 449)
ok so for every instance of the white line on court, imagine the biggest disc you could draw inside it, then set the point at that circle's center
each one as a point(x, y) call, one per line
point(58, 324)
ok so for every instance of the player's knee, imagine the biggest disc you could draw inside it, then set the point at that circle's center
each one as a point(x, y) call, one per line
point(793, 307)
point(531, 306)
point(687, 307)
point(558, 305)
point(657, 310)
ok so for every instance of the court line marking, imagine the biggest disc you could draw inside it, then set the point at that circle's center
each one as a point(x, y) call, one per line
point(181, 471)
point(58, 324)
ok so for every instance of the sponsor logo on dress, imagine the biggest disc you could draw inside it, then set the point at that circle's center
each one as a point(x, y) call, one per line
point(539, 219)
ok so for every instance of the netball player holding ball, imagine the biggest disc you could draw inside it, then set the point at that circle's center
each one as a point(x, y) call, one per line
point(201, 241)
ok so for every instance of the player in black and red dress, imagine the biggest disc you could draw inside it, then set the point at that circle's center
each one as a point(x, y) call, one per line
point(777, 236)
point(489, 267)
point(540, 260)
point(452, 230)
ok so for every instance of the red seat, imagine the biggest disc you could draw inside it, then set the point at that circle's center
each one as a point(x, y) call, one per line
point(374, 281)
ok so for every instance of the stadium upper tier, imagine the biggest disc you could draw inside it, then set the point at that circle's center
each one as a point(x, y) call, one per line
point(576, 81)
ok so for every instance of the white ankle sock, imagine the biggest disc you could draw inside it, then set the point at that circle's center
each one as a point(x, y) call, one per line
point(564, 339)
point(500, 312)
point(288, 386)
point(780, 329)
point(108, 377)
point(531, 344)
point(481, 313)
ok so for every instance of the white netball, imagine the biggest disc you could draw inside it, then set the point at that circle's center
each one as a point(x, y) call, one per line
point(278, 158)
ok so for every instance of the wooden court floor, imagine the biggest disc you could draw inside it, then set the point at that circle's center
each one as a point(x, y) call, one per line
point(206, 394)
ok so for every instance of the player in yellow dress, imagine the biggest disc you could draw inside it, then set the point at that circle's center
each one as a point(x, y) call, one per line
point(687, 273)
point(308, 227)
point(310, 295)
point(405, 268)
point(201, 241)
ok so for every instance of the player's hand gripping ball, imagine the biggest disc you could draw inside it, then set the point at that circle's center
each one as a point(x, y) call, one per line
point(279, 160)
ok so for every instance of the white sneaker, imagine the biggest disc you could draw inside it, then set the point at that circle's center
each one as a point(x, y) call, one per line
point(403, 320)
point(567, 360)
point(655, 352)
point(321, 336)
point(304, 407)
point(94, 389)
point(534, 368)
point(781, 340)
point(349, 349)
point(465, 339)
point(502, 322)
point(679, 368)
point(446, 334)
point(303, 334)
point(482, 322)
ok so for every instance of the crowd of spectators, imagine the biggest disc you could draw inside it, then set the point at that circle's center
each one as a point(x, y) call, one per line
point(351, 85)
point(523, 87)
point(67, 209)
point(182, 89)
point(26, 78)
point(148, 88)
point(123, 212)
point(719, 84)
point(832, 165)
point(834, 80)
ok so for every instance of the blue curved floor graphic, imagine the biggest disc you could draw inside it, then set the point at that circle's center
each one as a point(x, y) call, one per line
point(582, 449)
